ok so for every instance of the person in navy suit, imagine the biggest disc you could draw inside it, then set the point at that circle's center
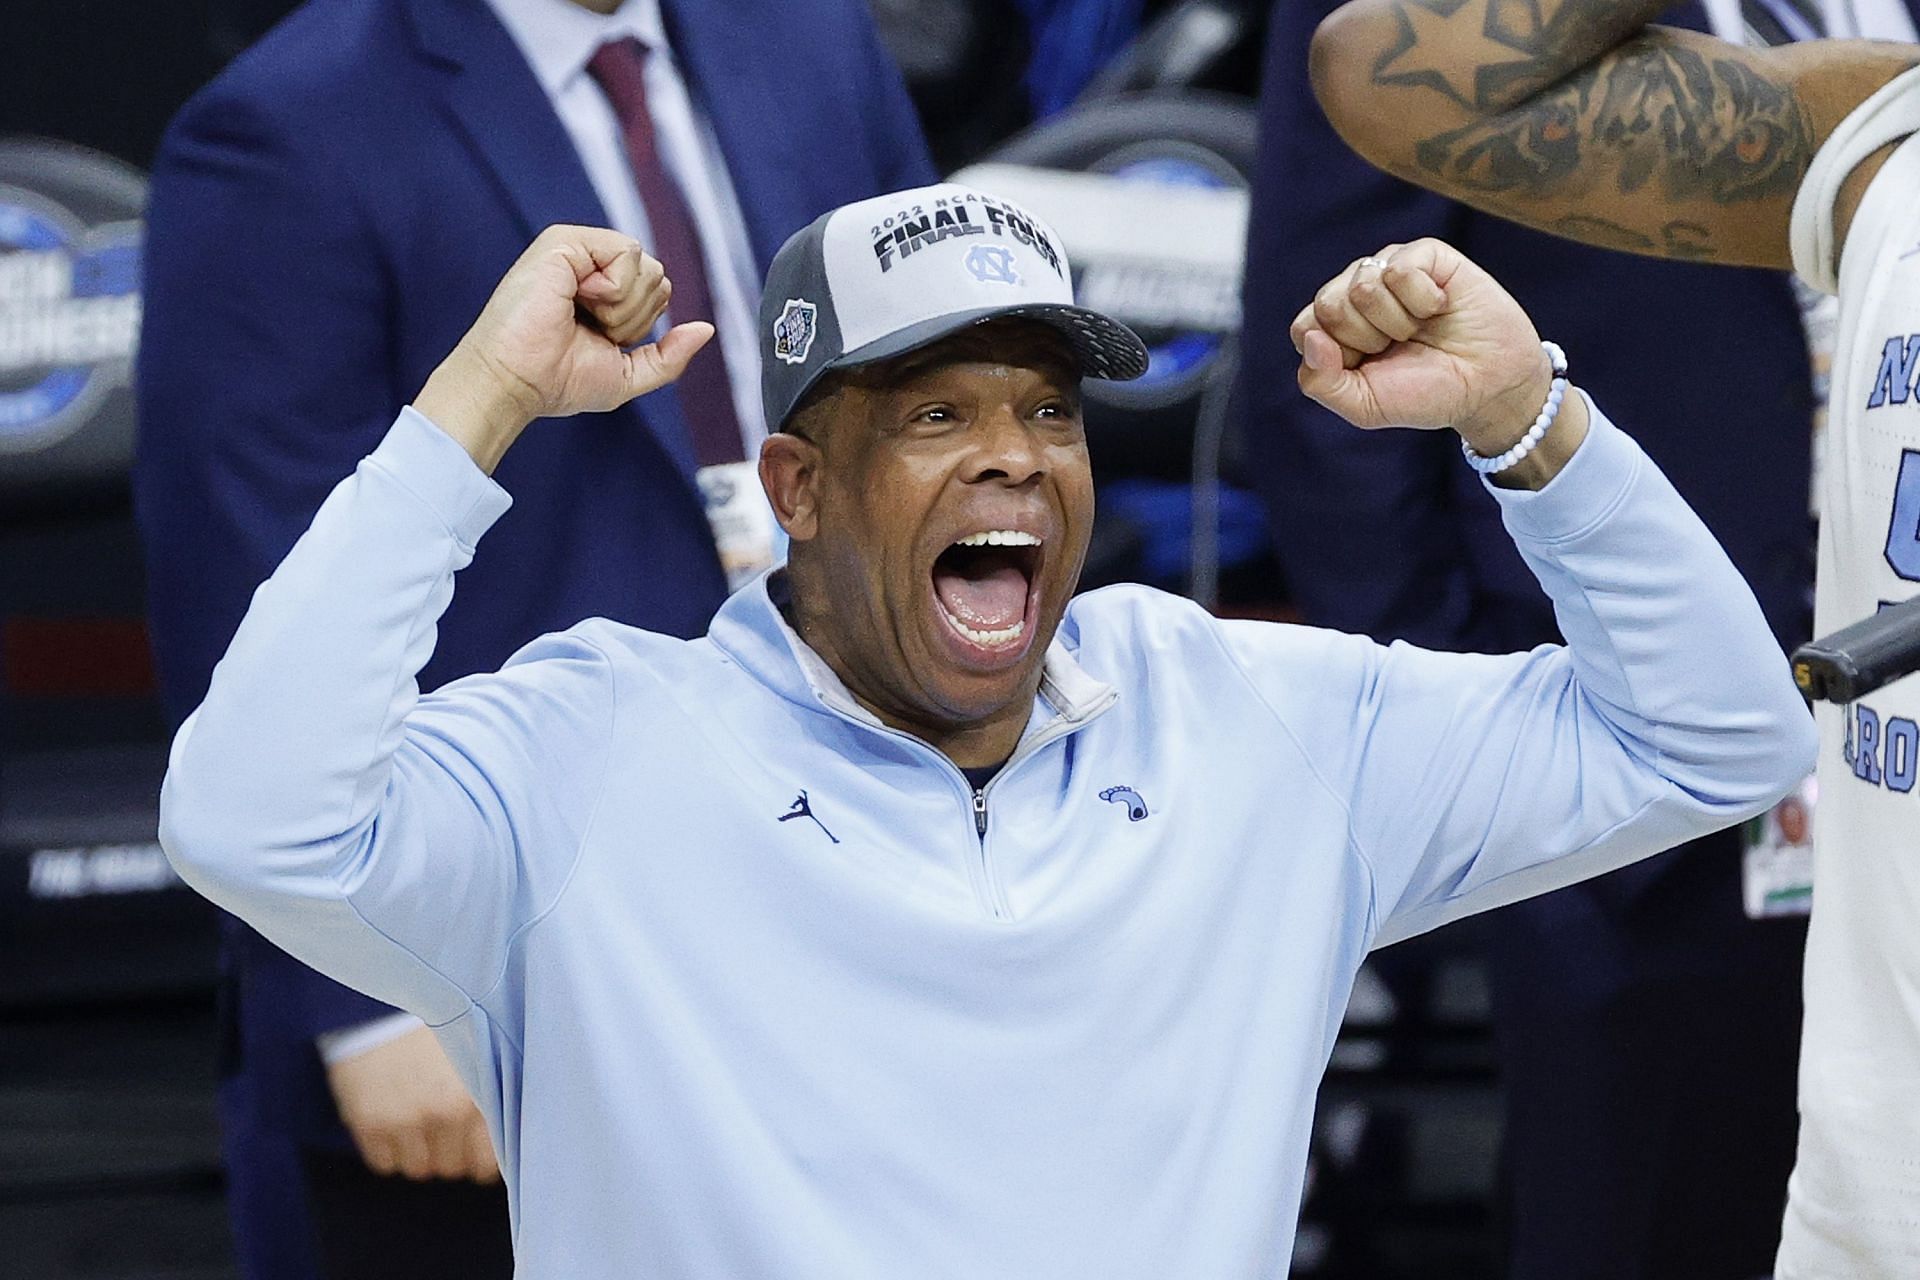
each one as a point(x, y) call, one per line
point(299, 285)
point(1646, 1027)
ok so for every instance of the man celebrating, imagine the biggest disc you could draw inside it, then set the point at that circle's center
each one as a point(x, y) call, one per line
point(921, 919)
point(1578, 118)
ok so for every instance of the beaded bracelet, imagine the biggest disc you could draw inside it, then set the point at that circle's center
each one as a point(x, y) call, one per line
point(1500, 462)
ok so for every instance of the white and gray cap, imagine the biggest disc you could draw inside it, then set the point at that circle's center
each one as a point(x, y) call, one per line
point(881, 277)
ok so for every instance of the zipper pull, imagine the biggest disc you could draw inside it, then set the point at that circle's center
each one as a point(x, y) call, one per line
point(980, 813)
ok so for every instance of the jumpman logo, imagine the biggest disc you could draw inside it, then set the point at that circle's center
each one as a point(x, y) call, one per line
point(802, 809)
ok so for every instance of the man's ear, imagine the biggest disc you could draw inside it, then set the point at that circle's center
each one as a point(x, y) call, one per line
point(790, 472)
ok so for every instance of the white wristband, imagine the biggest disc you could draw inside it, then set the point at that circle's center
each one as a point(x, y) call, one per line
point(1500, 462)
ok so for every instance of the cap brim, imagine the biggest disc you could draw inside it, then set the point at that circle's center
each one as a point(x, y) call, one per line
point(1104, 347)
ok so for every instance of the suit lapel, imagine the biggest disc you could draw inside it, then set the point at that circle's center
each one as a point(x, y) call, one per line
point(502, 112)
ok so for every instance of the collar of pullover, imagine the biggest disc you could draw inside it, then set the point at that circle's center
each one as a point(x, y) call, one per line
point(751, 630)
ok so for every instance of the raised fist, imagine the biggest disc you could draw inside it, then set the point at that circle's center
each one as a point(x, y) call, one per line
point(1418, 336)
point(556, 338)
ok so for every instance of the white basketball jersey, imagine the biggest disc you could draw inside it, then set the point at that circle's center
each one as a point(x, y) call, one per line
point(1854, 1204)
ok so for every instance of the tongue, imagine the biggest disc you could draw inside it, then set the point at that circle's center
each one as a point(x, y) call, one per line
point(987, 592)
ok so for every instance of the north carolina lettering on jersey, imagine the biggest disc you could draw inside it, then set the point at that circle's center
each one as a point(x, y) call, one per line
point(901, 236)
point(1899, 366)
point(1882, 752)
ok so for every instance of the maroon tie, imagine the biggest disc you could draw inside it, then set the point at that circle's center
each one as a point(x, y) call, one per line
point(619, 66)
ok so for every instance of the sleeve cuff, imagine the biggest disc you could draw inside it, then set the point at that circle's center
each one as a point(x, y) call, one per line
point(435, 469)
point(351, 1042)
point(1594, 481)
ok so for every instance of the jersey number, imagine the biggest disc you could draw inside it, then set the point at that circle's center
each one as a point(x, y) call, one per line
point(1903, 534)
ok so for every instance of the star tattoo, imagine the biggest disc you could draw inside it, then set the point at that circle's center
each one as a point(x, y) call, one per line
point(1410, 60)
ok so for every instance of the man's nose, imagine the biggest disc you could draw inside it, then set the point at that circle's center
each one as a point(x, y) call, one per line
point(1006, 448)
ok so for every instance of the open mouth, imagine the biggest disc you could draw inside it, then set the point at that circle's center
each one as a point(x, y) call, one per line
point(983, 584)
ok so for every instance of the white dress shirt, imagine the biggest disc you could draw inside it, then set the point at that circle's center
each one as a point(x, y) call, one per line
point(557, 38)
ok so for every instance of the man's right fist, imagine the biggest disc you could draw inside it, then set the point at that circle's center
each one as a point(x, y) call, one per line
point(557, 338)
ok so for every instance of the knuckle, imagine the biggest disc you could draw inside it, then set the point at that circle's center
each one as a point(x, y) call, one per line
point(368, 1128)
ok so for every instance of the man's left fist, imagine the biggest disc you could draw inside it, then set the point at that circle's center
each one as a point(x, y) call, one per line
point(1421, 337)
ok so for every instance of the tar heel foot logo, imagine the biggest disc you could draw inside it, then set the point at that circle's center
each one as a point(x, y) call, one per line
point(793, 331)
point(991, 264)
point(1136, 807)
point(802, 808)
point(70, 240)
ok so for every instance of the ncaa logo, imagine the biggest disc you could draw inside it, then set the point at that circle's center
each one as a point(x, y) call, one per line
point(991, 264)
point(69, 316)
point(793, 332)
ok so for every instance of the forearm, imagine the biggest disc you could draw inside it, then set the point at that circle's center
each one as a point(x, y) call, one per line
point(275, 783)
point(1663, 637)
point(1667, 714)
point(1589, 123)
point(1483, 56)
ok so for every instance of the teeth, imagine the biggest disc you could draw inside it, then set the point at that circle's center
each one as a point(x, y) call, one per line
point(999, 538)
point(988, 639)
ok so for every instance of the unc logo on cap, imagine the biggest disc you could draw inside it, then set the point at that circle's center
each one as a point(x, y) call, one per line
point(793, 331)
point(991, 264)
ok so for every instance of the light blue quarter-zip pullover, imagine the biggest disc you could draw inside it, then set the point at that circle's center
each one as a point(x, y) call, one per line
point(751, 987)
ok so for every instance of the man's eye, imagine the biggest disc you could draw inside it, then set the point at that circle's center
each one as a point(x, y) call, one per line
point(938, 413)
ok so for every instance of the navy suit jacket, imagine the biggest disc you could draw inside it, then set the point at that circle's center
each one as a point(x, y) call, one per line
point(327, 218)
point(1389, 533)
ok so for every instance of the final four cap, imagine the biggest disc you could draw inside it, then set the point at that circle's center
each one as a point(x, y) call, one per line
point(882, 277)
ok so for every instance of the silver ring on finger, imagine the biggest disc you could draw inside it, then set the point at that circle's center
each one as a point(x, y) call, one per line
point(1376, 263)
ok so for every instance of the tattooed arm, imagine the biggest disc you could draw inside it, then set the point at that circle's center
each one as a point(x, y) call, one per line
point(1576, 117)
